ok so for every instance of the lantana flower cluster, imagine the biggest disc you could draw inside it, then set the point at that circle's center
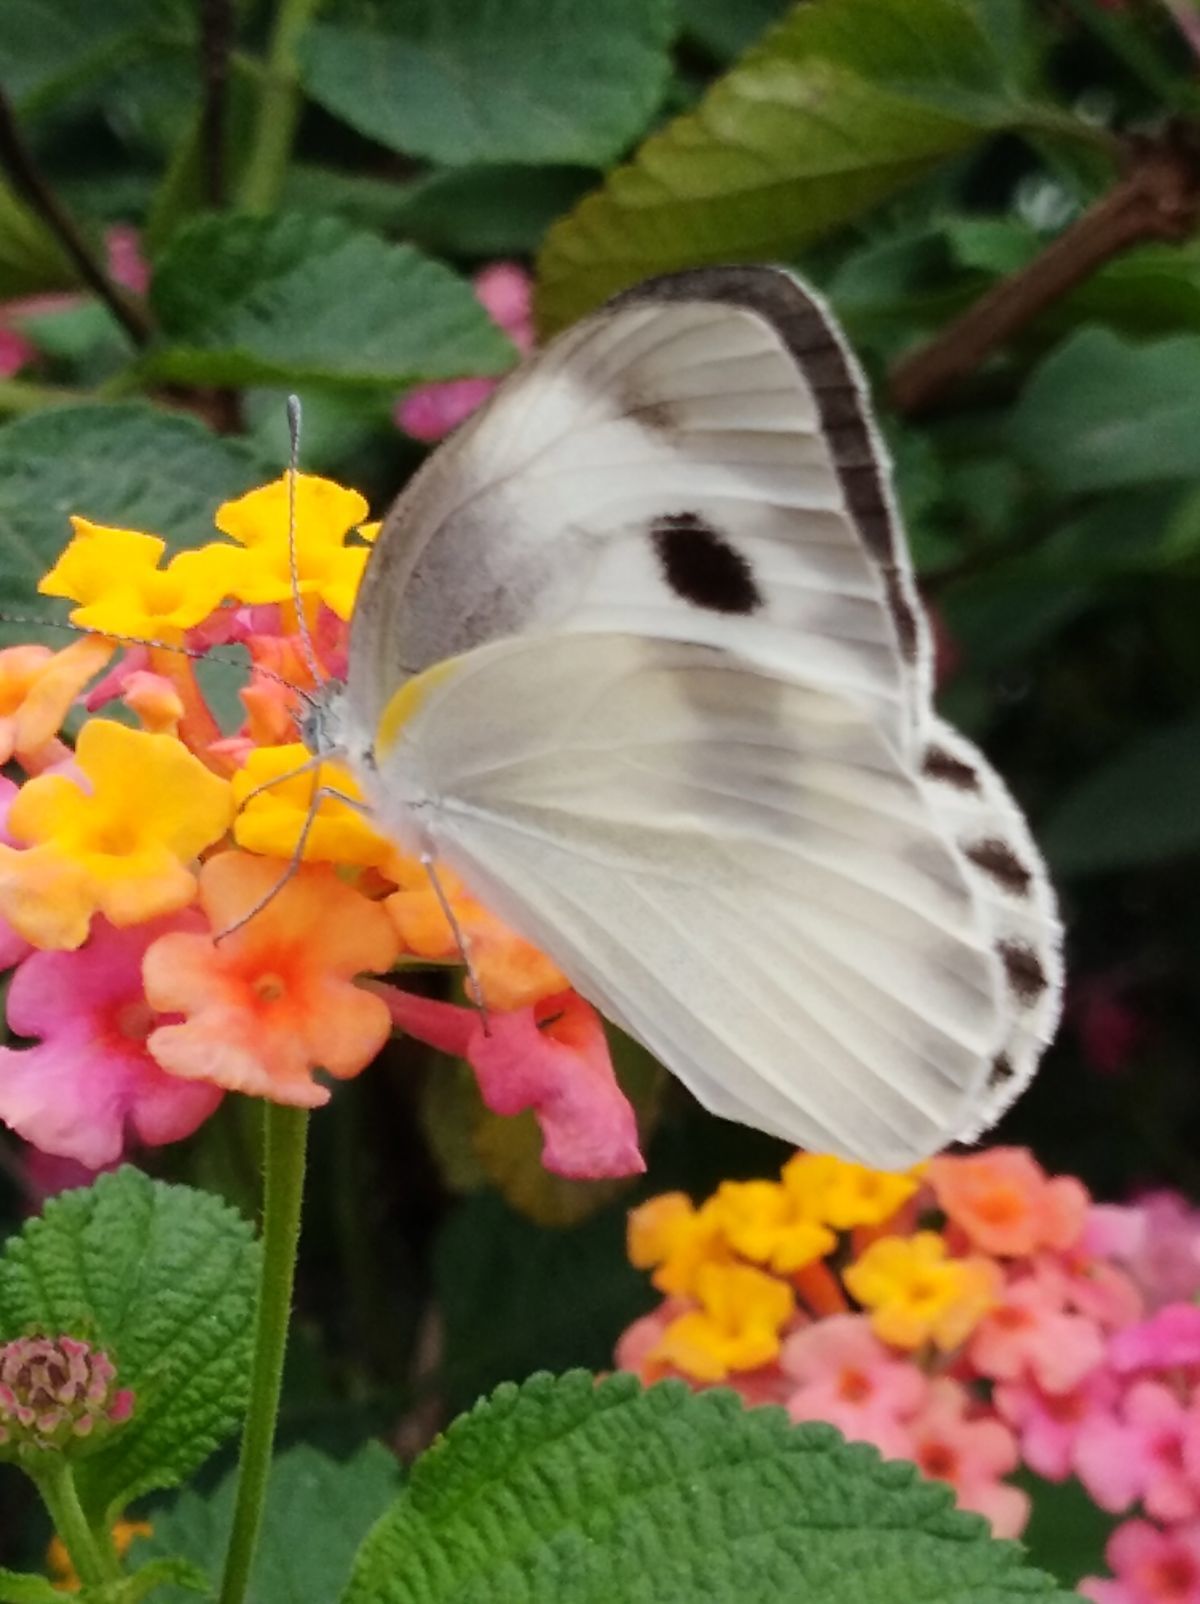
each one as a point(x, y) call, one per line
point(974, 1315)
point(165, 949)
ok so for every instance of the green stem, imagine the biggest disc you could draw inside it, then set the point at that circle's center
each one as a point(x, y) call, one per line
point(278, 110)
point(93, 1566)
point(286, 1131)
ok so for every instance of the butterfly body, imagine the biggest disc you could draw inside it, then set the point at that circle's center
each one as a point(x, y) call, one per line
point(638, 654)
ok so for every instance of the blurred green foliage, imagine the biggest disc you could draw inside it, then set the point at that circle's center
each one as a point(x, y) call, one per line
point(907, 156)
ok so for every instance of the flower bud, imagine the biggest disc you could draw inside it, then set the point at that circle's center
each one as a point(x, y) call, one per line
point(56, 1392)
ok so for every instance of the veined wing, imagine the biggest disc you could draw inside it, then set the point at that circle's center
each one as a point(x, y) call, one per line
point(696, 462)
point(734, 867)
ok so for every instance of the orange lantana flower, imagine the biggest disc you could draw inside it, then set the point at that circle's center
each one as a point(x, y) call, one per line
point(1007, 1204)
point(275, 999)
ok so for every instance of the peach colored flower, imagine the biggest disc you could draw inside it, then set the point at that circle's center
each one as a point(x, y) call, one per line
point(37, 688)
point(275, 999)
point(1006, 1203)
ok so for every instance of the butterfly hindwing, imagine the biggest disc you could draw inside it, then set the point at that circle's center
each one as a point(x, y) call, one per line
point(734, 867)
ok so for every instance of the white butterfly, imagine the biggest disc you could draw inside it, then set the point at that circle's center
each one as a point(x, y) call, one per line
point(638, 654)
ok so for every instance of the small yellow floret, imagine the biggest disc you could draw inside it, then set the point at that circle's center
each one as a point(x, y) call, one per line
point(916, 1293)
point(738, 1325)
point(271, 821)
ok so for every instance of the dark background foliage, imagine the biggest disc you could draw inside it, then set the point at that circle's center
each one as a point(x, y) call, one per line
point(313, 186)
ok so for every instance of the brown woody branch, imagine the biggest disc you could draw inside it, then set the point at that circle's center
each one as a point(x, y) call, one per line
point(30, 184)
point(1158, 199)
point(216, 39)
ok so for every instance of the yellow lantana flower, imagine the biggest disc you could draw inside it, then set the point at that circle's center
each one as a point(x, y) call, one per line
point(737, 1326)
point(845, 1195)
point(916, 1293)
point(121, 848)
point(669, 1234)
point(114, 575)
point(271, 821)
point(325, 566)
point(761, 1221)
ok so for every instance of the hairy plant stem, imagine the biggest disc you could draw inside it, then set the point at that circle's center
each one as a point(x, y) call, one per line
point(30, 184)
point(285, 1139)
point(1158, 199)
point(93, 1564)
point(278, 110)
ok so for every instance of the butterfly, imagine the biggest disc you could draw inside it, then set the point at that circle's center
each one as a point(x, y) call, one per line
point(638, 655)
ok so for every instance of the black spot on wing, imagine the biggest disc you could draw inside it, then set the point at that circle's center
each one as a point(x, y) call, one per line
point(1002, 1072)
point(811, 339)
point(1026, 977)
point(998, 860)
point(701, 566)
point(950, 770)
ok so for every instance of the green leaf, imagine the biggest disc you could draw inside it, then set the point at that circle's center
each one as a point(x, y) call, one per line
point(840, 106)
point(20, 1587)
point(290, 298)
point(602, 1493)
point(126, 465)
point(459, 211)
point(553, 81)
point(1143, 806)
point(164, 1278)
point(1102, 412)
point(318, 1511)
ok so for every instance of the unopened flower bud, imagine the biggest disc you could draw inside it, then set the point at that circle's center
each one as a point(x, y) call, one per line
point(57, 1391)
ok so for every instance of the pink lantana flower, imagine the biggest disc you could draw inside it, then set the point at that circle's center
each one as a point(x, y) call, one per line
point(1051, 1424)
point(1157, 1239)
point(972, 1454)
point(551, 1057)
point(1150, 1566)
point(1030, 1333)
point(1149, 1453)
point(89, 1083)
point(1169, 1338)
point(847, 1377)
point(431, 410)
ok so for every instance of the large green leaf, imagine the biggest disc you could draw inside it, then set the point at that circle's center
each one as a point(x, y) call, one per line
point(1143, 806)
point(840, 105)
point(164, 1278)
point(1102, 412)
point(125, 465)
point(290, 298)
point(466, 81)
point(573, 1491)
point(318, 1511)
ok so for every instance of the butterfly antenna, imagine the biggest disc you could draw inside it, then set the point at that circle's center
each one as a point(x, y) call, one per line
point(310, 651)
point(199, 653)
point(474, 991)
